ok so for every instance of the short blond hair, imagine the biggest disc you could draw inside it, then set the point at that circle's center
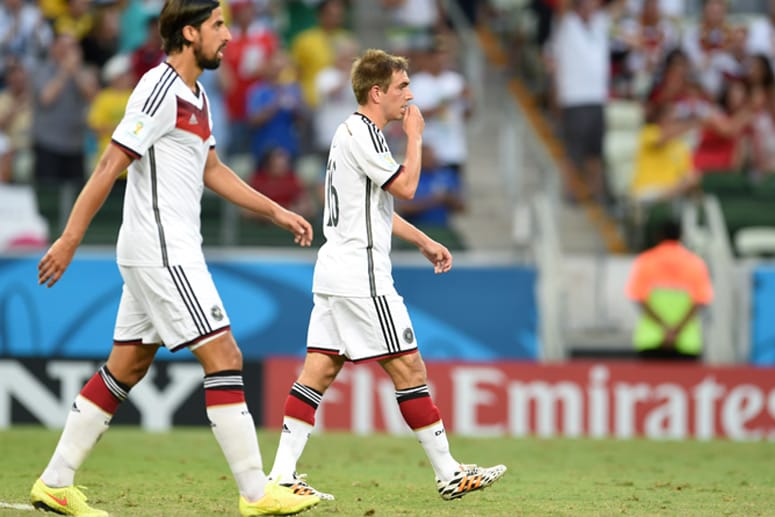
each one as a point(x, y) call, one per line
point(374, 67)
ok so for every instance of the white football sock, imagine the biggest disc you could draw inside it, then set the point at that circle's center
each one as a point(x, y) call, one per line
point(434, 440)
point(293, 439)
point(84, 425)
point(235, 432)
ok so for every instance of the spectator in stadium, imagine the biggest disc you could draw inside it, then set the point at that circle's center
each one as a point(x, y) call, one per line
point(77, 20)
point(102, 41)
point(150, 52)
point(107, 108)
point(672, 82)
point(645, 40)
point(446, 101)
point(708, 44)
point(335, 94)
point(578, 57)
point(275, 110)
point(671, 285)
point(663, 161)
point(168, 297)
point(276, 179)
point(357, 314)
point(313, 49)
point(761, 33)
point(134, 23)
point(725, 134)
point(438, 195)
point(245, 61)
point(413, 22)
point(62, 90)
point(762, 83)
point(16, 118)
point(24, 34)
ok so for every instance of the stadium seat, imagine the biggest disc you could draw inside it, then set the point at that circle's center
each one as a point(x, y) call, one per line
point(764, 188)
point(755, 241)
point(726, 183)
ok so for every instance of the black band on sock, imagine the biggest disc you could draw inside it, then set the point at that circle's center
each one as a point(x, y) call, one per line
point(306, 394)
point(412, 393)
point(117, 388)
point(224, 380)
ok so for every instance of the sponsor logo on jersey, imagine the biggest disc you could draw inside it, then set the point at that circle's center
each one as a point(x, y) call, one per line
point(216, 313)
point(408, 335)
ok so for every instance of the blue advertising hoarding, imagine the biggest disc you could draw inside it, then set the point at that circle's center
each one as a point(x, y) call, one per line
point(471, 313)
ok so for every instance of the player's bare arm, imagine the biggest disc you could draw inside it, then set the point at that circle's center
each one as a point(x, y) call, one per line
point(434, 251)
point(54, 263)
point(405, 185)
point(226, 183)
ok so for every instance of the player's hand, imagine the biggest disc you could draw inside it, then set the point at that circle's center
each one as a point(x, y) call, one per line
point(54, 263)
point(297, 225)
point(438, 255)
point(413, 122)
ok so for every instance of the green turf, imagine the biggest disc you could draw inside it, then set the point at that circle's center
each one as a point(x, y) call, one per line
point(132, 473)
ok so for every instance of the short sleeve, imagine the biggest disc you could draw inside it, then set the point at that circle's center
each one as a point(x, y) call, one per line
point(373, 155)
point(211, 140)
point(150, 113)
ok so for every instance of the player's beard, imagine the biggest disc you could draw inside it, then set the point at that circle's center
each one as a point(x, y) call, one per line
point(204, 62)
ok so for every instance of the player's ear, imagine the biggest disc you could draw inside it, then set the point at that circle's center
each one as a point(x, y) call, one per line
point(189, 33)
point(374, 93)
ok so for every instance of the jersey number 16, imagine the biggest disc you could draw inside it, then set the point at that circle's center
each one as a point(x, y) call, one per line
point(332, 199)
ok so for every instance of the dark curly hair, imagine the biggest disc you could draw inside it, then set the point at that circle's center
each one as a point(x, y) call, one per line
point(176, 14)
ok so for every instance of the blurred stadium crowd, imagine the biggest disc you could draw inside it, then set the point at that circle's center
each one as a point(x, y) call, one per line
point(687, 100)
point(67, 68)
point(688, 103)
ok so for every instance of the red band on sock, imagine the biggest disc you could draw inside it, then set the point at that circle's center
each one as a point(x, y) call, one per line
point(420, 412)
point(300, 410)
point(223, 397)
point(97, 392)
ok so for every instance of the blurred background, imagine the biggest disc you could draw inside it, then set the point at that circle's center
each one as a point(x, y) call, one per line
point(561, 135)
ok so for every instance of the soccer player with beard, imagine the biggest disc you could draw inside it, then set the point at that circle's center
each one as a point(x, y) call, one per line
point(358, 315)
point(168, 298)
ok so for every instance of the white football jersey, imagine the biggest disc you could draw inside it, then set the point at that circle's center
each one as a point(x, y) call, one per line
point(166, 128)
point(358, 213)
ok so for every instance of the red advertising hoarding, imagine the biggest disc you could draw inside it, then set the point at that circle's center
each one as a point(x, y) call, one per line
point(594, 399)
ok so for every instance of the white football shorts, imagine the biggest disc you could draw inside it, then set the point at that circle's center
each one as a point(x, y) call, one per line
point(360, 329)
point(176, 306)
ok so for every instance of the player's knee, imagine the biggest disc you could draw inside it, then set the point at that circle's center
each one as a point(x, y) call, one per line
point(319, 379)
point(229, 357)
point(130, 374)
point(406, 371)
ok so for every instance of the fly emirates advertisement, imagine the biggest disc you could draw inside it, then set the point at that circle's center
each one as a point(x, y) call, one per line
point(579, 399)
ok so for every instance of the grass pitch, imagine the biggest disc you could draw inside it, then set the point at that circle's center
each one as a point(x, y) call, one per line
point(133, 473)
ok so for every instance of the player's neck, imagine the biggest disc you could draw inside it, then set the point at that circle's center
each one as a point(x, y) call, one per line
point(372, 113)
point(186, 68)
